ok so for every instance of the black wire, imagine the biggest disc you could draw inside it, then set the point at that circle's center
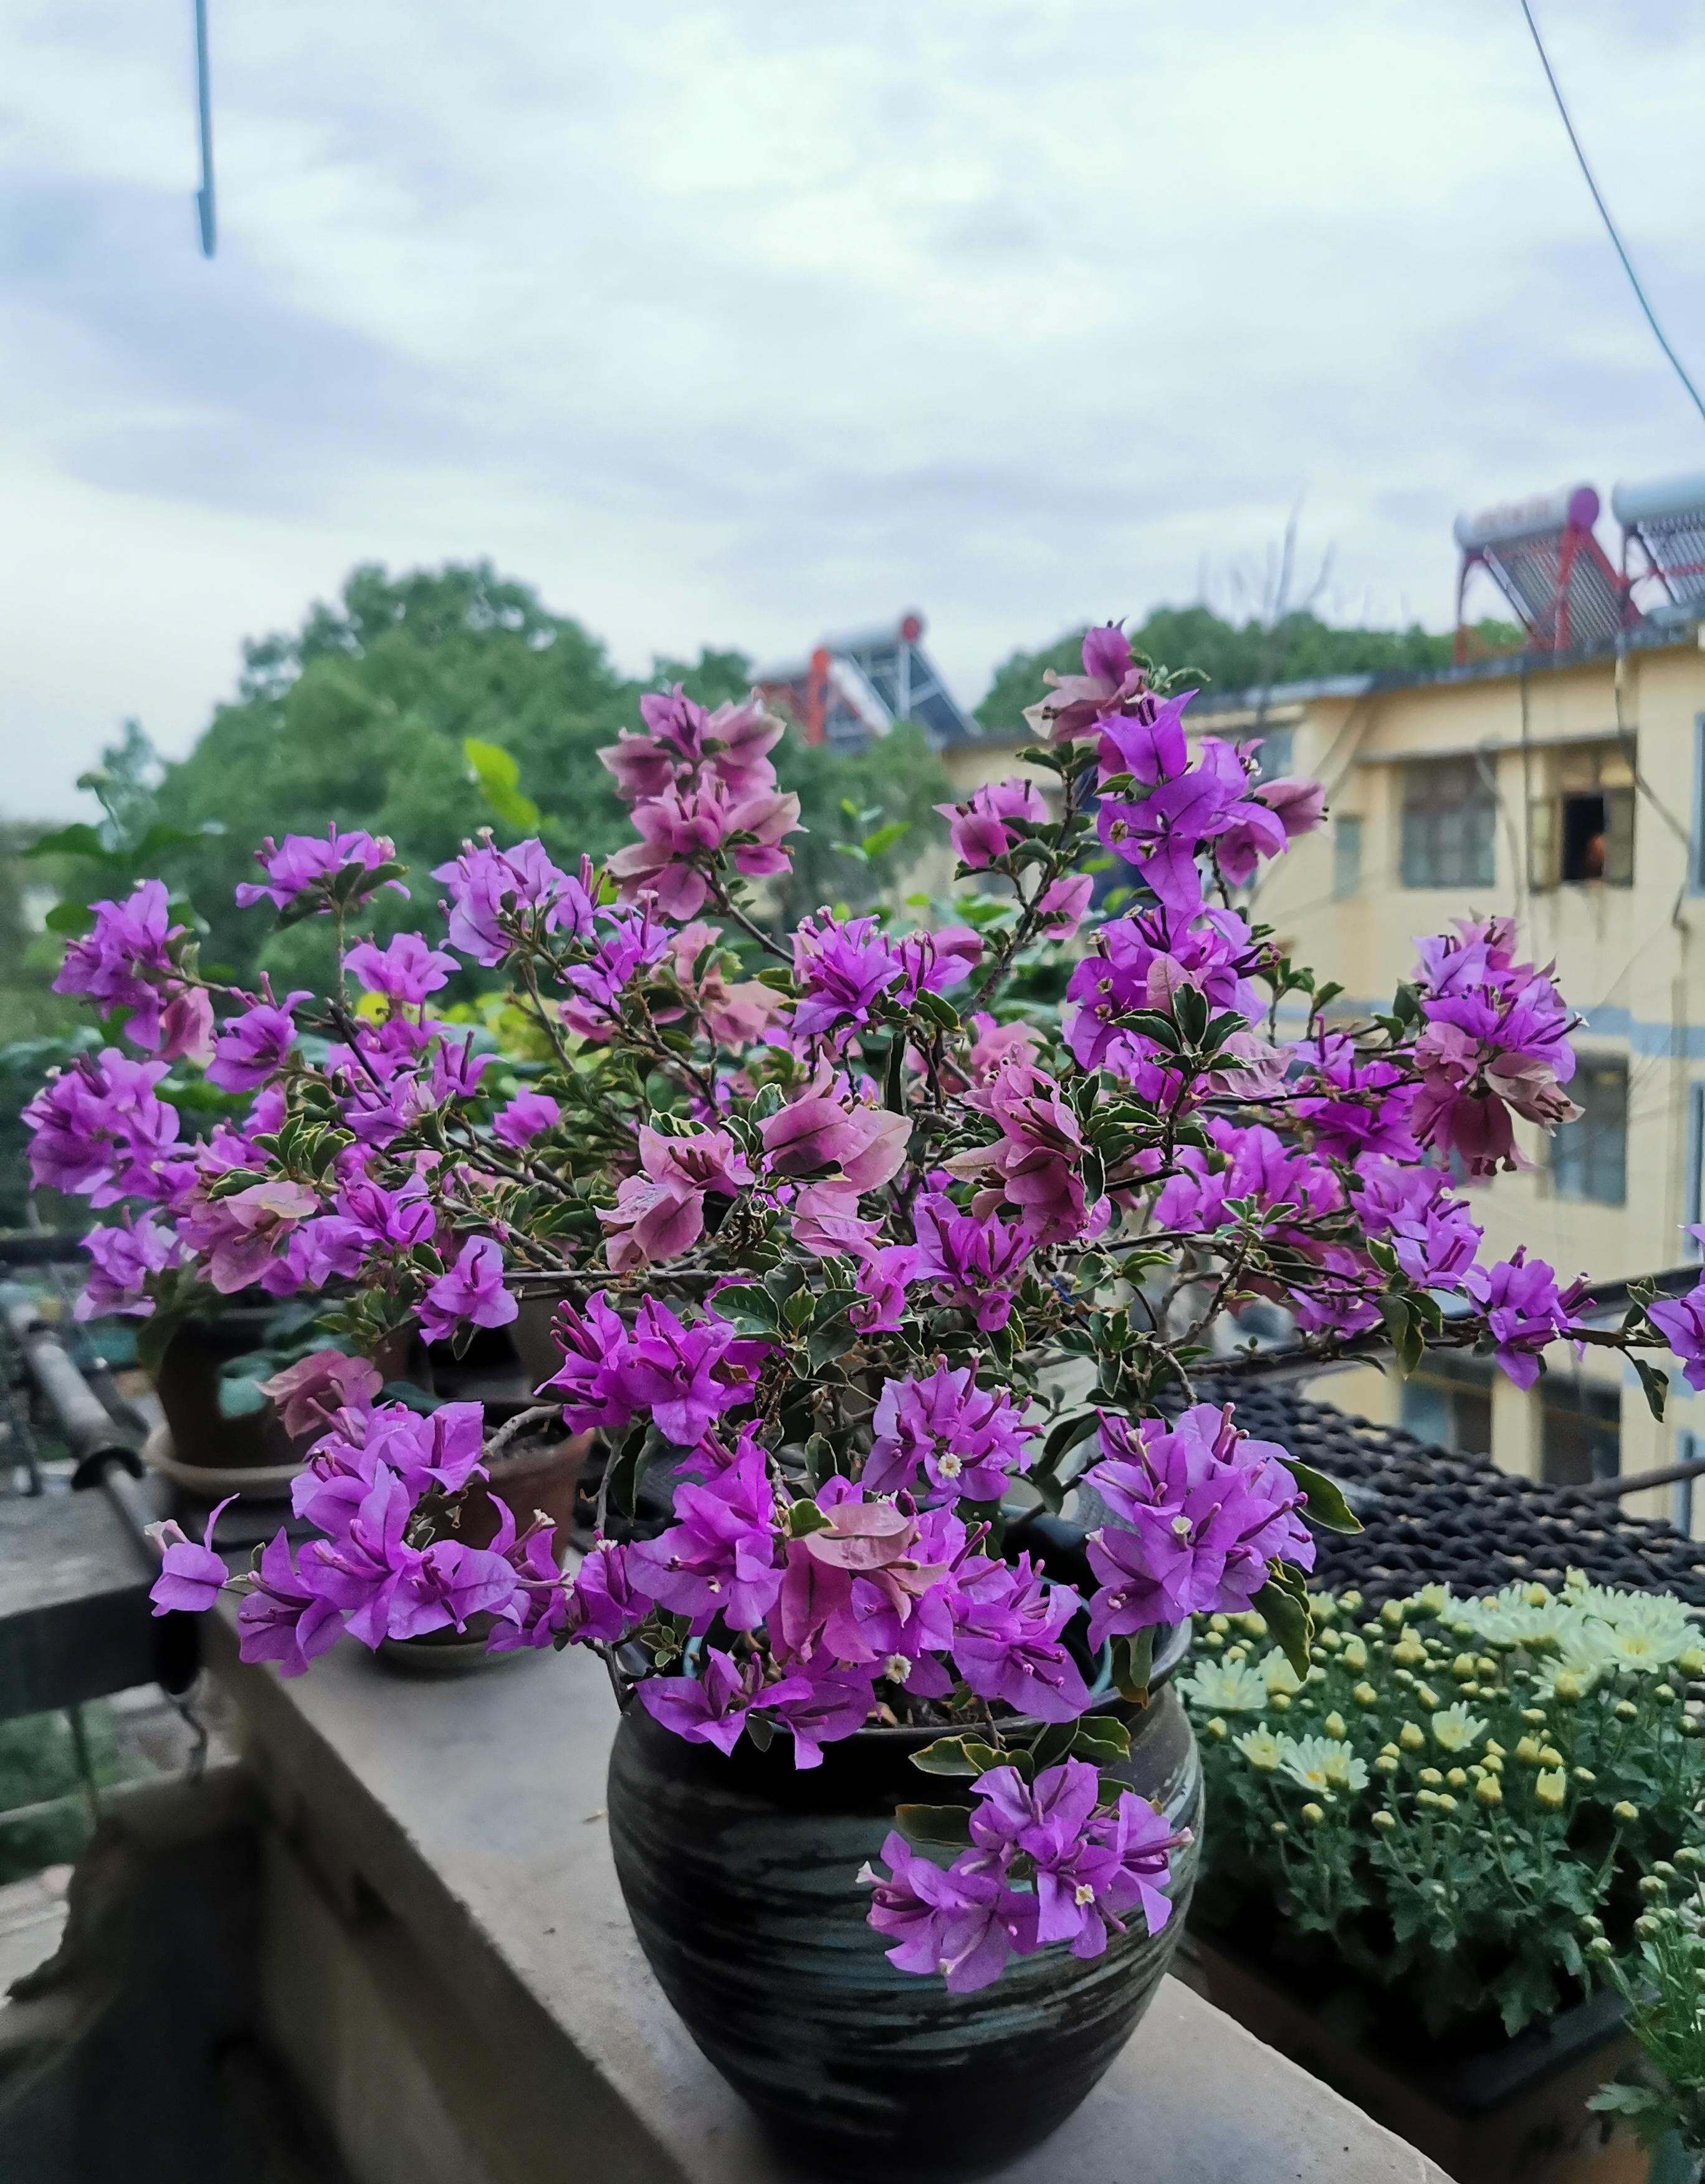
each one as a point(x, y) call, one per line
point(1604, 214)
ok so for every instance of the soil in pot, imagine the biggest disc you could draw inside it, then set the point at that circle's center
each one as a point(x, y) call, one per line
point(740, 1876)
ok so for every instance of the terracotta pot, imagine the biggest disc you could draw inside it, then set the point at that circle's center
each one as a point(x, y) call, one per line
point(740, 1875)
point(542, 1476)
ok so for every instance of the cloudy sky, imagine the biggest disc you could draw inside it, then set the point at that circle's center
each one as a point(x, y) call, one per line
point(738, 322)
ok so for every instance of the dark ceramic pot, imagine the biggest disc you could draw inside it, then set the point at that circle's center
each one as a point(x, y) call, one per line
point(740, 1876)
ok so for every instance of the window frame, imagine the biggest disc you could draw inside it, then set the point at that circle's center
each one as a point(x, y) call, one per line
point(1422, 851)
point(1563, 1141)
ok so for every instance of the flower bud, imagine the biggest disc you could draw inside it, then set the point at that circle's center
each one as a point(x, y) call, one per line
point(1495, 1750)
point(1600, 1949)
point(1551, 1788)
point(1485, 1666)
point(1463, 1666)
point(1411, 1738)
point(1549, 1755)
point(1386, 1763)
point(1350, 1601)
point(1626, 1710)
point(1534, 1714)
point(1692, 1661)
point(1651, 1887)
point(1279, 1701)
point(1391, 1614)
point(1212, 1640)
point(1365, 1694)
point(1216, 1727)
point(1384, 1821)
point(1431, 1777)
point(1489, 1791)
point(1254, 1623)
point(1317, 1676)
point(1647, 1927)
point(1665, 1694)
point(1456, 1777)
point(1568, 1686)
point(1585, 1774)
point(1281, 1829)
point(1222, 1624)
point(1355, 1656)
point(1335, 1727)
point(1447, 1804)
point(1590, 1925)
point(1409, 1654)
point(1427, 1798)
point(1427, 1698)
point(1625, 1812)
point(1313, 1814)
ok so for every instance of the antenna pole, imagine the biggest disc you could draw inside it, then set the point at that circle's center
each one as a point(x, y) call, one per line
point(203, 196)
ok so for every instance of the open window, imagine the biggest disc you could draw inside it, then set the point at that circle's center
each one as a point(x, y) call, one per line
point(1581, 827)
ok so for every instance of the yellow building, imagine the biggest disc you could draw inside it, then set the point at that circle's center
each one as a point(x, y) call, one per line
point(1567, 790)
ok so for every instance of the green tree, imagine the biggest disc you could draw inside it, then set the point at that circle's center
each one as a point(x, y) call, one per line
point(1298, 647)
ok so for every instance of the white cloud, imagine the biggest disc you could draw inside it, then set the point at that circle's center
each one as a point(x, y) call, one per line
point(735, 321)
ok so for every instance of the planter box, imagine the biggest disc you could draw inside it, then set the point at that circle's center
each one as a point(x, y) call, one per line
point(1514, 2113)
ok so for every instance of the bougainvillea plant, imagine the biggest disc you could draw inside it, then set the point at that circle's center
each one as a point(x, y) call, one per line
point(859, 1248)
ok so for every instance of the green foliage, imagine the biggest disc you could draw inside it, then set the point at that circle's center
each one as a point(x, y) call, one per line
point(38, 1766)
point(1454, 1802)
point(1227, 656)
point(890, 789)
point(1662, 1984)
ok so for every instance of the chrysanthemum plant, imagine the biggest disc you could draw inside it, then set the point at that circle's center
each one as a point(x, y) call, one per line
point(860, 1253)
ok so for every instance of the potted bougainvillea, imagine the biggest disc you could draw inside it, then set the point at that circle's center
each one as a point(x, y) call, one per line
point(865, 1258)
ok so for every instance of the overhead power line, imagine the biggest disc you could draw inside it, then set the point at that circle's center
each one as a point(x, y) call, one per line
point(1604, 213)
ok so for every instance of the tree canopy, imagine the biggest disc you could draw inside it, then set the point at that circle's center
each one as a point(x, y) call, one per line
point(1231, 656)
point(362, 715)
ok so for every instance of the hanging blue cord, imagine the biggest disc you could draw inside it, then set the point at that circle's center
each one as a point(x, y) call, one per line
point(203, 196)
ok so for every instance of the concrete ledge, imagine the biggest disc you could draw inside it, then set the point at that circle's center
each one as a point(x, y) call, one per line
point(449, 1968)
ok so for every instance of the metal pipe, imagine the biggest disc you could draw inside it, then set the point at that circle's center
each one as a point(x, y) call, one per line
point(1635, 1482)
point(84, 1424)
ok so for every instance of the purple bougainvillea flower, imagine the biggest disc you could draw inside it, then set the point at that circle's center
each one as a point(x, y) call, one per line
point(192, 1575)
point(473, 1290)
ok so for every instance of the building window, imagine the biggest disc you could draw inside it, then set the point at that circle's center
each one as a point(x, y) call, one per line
point(1346, 854)
point(1448, 1402)
point(1581, 827)
point(1688, 1450)
point(1450, 818)
point(1580, 1431)
point(1588, 1157)
point(1274, 752)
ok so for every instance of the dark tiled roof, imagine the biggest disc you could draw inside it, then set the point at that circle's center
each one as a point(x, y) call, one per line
point(1430, 1516)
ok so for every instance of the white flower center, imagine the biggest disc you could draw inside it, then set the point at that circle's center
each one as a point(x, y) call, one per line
point(1084, 1893)
point(897, 1668)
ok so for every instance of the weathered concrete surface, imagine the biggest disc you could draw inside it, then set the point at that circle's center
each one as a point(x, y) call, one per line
point(450, 1970)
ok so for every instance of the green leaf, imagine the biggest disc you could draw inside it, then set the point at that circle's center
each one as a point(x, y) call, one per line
point(1067, 1434)
point(1102, 1741)
point(1287, 1618)
point(70, 918)
point(964, 1755)
point(239, 1397)
point(748, 1308)
point(1049, 1745)
point(804, 1518)
point(498, 779)
point(78, 840)
point(1656, 1386)
point(893, 1082)
point(1133, 1661)
point(884, 838)
point(934, 1823)
point(1327, 1507)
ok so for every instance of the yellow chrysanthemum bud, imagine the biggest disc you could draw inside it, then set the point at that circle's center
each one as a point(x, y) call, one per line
point(1365, 1694)
point(1431, 1777)
point(1411, 1738)
point(1551, 1788)
point(1216, 1726)
point(1625, 1812)
point(1489, 1791)
point(1313, 1814)
point(1335, 1727)
point(1385, 1822)
point(1528, 1752)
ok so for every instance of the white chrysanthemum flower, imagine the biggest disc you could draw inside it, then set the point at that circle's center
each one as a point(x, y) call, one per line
point(1276, 1673)
point(1585, 1655)
point(1261, 1748)
point(1455, 1730)
point(1524, 1615)
point(1225, 1687)
point(1320, 1764)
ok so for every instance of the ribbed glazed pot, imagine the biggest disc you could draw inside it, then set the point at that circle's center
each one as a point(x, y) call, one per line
point(740, 1876)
